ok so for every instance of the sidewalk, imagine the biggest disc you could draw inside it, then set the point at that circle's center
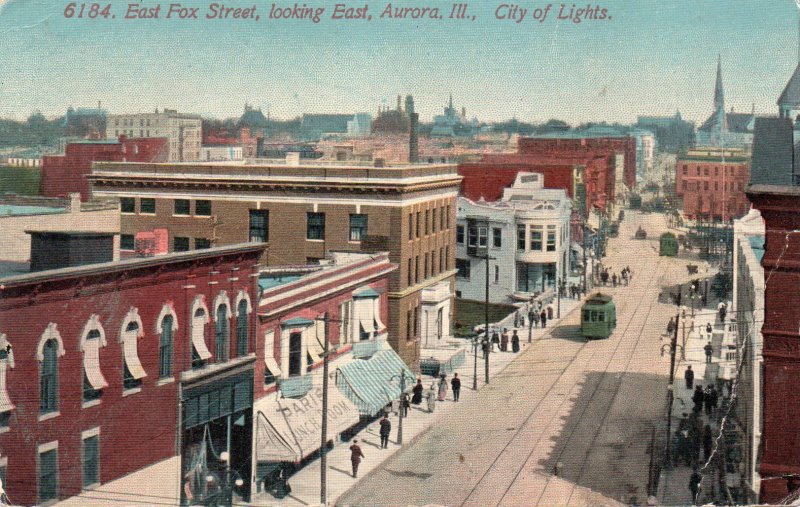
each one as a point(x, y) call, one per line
point(673, 486)
point(306, 482)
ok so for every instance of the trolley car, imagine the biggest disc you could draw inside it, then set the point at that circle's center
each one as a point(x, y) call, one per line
point(598, 316)
point(668, 245)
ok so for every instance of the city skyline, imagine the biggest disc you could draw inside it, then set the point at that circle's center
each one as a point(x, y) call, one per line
point(649, 59)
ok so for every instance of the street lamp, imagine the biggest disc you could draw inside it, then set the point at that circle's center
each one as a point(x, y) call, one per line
point(402, 378)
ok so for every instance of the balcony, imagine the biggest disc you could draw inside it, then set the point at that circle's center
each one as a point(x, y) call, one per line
point(295, 387)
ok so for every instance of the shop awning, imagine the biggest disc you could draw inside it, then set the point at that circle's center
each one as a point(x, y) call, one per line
point(288, 429)
point(91, 363)
point(373, 383)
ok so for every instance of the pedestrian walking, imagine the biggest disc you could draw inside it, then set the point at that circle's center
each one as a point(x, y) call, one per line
point(386, 429)
point(694, 485)
point(549, 312)
point(697, 398)
point(485, 347)
point(614, 280)
point(707, 401)
point(443, 388)
point(714, 399)
point(504, 341)
point(671, 326)
point(630, 275)
point(416, 399)
point(722, 311)
point(709, 330)
point(495, 339)
point(356, 455)
point(405, 404)
point(515, 342)
point(535, 318)
point(688, 375)
point(456, 385)
point(709, 351)
point(543, 318)
point(522, 320)
point(708, 442)
point(431, 396)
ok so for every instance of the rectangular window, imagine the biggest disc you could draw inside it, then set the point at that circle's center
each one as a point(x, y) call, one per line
point(497, 237)
point(716, 185)
point(416, 322)
point(127, 242)
point(416, 269)
point(447, 257)
point(521, 237)
point(345, 314)
point(358, 227)
point(91, 465)
point(180, 244)
point(259, 226)
point(315, 225)
point(408, 325)
point(685, 170)
point(295, 354)
point(410, 272)
point(433, 220)
point(433, 262)
point(705, 185)
point(460, 234)
point(427, 222)
point(684, 184)
point(716, 171)
point(472, 236)
point(496, 273)
point(705, 171)
point(147, 205)
point(483, 236)
point(443, 220)
point(441, 260)
point(447, 221)
point(127, 204)
point(463, 267)
point(551, 238)
point(48, 475)
point(202, 208)
point(419, 215)
point(182, 207)
point(202, 243)
point(536, 238)
point(426, 264)
point(410, 226)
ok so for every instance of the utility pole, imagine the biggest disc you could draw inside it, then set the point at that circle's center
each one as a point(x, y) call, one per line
point(670, 388)
point(558, 283)
point(486, 319)
point(402, 377)
point(323, 472)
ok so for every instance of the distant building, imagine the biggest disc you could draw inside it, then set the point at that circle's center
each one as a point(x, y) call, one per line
point(219, 153)
point(711, 182)
point(673, 134)
point(253, 119)
point(86, 122)
point(360, 125)
point(726, 130)
point(394, 121)
point(452, 124)
point(183, 131)
point(65, 174)
point(314, 127)
point(305, 209)
point(527, 235)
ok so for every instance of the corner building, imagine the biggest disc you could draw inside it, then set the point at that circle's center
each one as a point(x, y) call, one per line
point(304, 211)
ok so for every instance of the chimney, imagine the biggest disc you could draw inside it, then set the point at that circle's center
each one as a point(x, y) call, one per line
point(413, 141)
point(74, 202)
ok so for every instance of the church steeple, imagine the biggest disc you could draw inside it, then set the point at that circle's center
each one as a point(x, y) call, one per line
point(719, 93)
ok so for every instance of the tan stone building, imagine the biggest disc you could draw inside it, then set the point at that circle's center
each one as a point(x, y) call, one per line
point(183, 131)
point(304, 211)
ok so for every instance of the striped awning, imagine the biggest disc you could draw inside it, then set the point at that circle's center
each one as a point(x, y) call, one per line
point(373, 383)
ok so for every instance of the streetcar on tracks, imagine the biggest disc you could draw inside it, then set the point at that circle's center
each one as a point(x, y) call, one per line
point(598, 316)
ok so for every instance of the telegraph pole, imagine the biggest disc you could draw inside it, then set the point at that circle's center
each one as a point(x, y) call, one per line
point(323, 479)
point(671, 387)
point(486, 317)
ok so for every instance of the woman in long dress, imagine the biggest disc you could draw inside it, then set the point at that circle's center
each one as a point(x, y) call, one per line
point(443, 388)
point(416, 399)
point(431, 396)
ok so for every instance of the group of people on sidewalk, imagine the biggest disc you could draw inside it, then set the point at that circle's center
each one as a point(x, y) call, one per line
point(624, 276)
point(436, 392)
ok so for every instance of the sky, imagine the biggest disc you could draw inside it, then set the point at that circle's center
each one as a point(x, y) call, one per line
point(652, 57)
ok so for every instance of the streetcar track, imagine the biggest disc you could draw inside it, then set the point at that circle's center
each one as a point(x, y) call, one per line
point(539, 403)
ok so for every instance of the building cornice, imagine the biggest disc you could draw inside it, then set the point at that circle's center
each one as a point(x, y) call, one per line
point(427, 283)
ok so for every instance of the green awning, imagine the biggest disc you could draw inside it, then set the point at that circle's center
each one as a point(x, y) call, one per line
point(297, 322)
point(369, 383)
point(367, 293)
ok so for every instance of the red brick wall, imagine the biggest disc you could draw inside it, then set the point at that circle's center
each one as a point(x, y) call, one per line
point(135, 430)
point(693, 176)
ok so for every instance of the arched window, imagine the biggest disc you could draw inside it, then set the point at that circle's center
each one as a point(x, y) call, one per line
point(200, 353)
point(6, 361)
point(130, 331)
point(165, 347)
point(222, 333)
point(242, 328)
point(166, 324)
point(48, 380)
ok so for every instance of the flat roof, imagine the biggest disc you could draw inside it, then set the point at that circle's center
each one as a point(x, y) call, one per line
point(103, 267)
point(16, 210)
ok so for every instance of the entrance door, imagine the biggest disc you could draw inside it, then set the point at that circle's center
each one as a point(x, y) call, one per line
point(295, 354)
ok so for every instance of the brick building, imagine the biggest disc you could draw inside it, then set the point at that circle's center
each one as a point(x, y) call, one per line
point(184, 132)
point(303, 212)
point(711, 182)
point(95, 360)
point(65, 174)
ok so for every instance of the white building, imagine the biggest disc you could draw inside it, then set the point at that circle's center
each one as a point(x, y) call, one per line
point(748, 311)
point(360, 125)
point(184, 131)
point(526, 236)
point(221, 153)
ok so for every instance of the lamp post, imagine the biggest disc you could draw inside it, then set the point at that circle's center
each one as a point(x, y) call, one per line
point(475, 342)
point(486, 316)
point(402, 377)
point(673, 345)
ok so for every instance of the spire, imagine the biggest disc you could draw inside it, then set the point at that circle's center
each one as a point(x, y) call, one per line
point(719, 94)
point(450, 105)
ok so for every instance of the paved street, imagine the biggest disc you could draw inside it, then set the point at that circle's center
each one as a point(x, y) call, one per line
point(587, 411)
